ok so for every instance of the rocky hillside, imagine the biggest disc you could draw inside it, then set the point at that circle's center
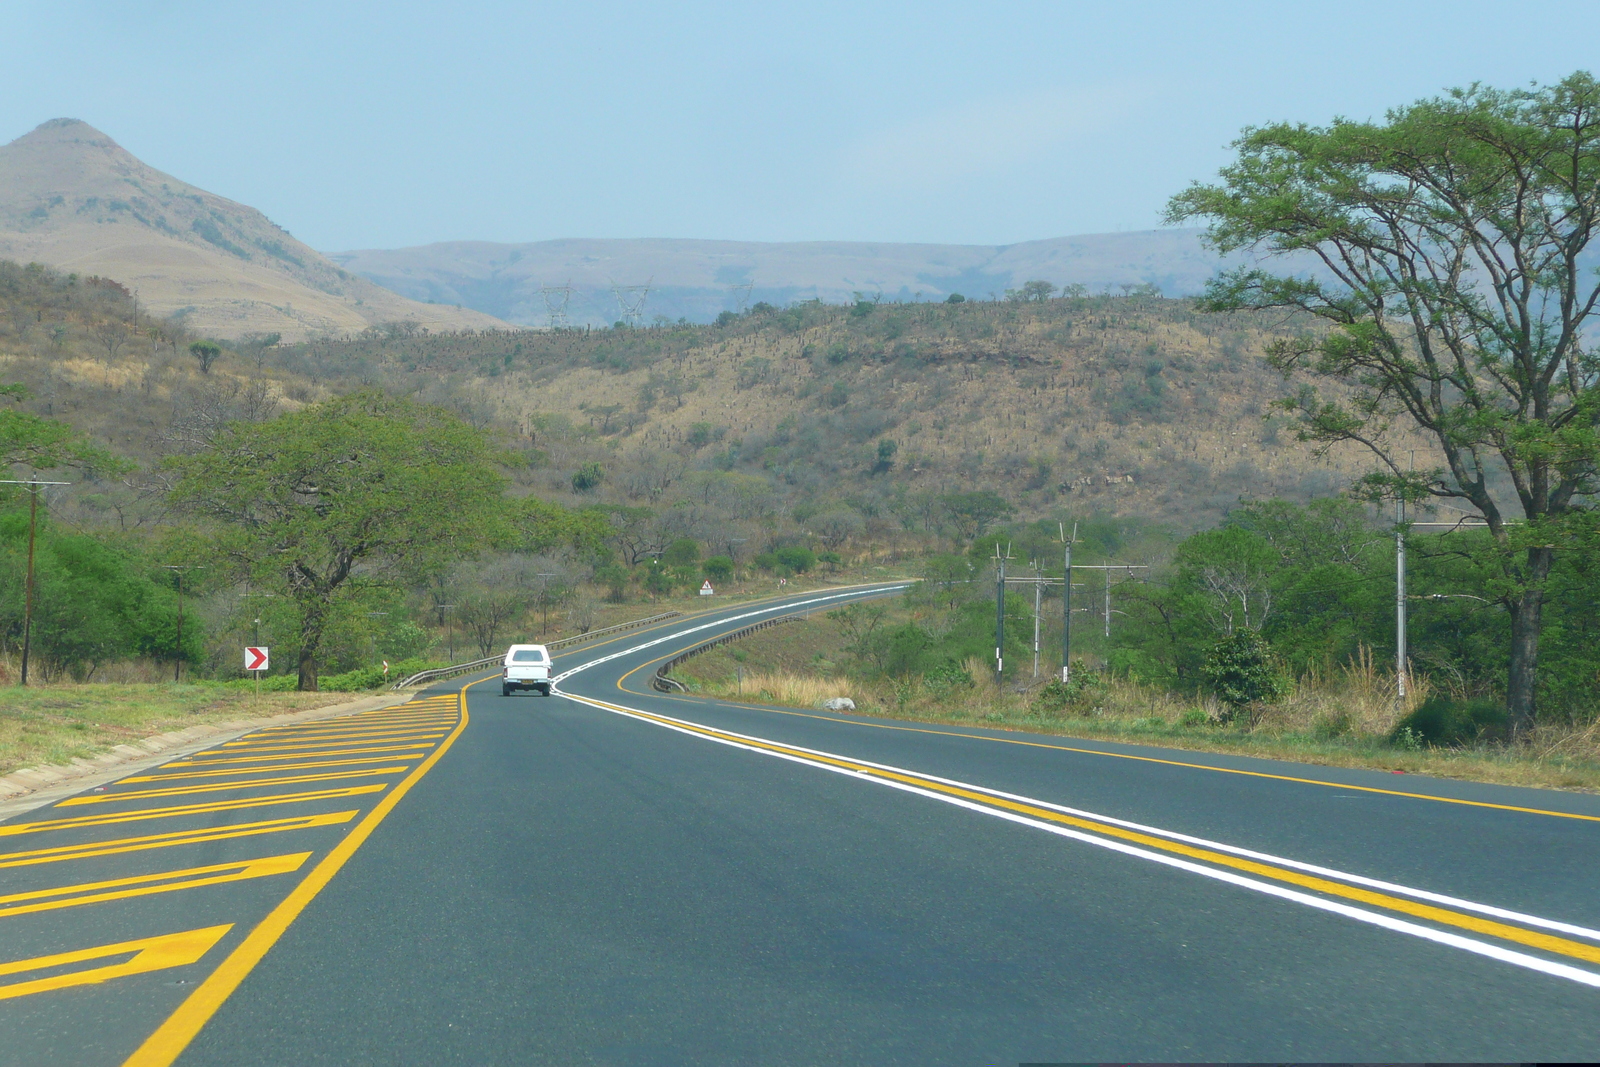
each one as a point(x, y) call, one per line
point(73, 199)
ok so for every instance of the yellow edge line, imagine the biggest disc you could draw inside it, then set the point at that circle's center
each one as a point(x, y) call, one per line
point(180, 1028)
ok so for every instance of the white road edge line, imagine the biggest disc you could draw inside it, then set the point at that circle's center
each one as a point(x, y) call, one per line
point(773, 609)
point(1466, 944)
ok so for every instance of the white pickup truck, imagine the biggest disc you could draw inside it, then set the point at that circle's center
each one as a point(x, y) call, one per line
point(526, 667)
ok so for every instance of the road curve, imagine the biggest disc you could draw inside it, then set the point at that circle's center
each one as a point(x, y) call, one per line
point(613, 875)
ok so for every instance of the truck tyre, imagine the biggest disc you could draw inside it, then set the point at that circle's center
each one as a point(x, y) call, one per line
point(544, 690)
point(505, 690)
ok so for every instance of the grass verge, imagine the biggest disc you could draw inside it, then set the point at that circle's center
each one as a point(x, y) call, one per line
point(1341, 720)
point(59, 722)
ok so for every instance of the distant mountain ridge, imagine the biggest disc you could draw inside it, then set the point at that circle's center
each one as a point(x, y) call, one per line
point(72, 198)
point(697, 279)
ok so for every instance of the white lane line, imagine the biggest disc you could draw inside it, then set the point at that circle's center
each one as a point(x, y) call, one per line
point(1466, 944)
point(790, 606)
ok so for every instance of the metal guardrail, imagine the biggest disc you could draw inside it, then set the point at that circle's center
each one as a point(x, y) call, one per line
point(662, 683)
point(436, 673)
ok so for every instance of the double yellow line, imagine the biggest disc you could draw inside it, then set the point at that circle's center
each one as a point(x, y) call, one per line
point(1197, 856)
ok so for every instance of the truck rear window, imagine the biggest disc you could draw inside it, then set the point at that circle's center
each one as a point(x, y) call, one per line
point(527, 655)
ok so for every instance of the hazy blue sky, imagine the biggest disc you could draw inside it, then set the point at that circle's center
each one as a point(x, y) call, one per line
point(362, 125)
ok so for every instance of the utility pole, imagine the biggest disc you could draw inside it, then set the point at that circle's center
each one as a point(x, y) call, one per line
point(1107, 568)
point(27, 611)
point(1038, 586)
point(1066, 602)
point(1000, 614)
point(1107, 577)
point(544, 603)
point(1400, 611)
point(441, 609)
point(177, 570)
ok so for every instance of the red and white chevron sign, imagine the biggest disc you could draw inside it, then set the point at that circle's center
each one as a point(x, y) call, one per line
point(255, 659)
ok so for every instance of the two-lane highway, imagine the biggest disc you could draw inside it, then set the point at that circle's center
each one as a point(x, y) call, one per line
point(618, 876)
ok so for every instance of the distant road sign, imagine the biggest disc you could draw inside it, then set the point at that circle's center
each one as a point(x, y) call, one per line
point(255, 659)
point(705, 588)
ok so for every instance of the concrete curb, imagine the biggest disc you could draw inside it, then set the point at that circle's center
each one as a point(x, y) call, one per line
point(34, 787)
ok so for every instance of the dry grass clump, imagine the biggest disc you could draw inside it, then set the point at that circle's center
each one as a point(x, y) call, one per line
point(781, 687)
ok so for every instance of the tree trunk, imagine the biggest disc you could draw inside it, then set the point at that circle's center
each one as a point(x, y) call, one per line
point(308, 671)
point(310, 645)
point(1527, 615)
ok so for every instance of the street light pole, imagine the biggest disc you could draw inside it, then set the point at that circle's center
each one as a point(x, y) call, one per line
point(27, 611)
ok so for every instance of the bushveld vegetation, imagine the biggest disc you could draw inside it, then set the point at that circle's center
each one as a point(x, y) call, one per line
point(353, 499)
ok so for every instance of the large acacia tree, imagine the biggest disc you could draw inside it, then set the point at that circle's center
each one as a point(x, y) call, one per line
point(1457, 288)
point(365, 487)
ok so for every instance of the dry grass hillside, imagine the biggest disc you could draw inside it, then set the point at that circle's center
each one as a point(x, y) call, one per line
point(1131, 405)
point(844, 424)
point(73, 199)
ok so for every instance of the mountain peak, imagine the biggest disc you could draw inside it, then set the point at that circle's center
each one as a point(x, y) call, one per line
point(66, 131)
point(74, 199)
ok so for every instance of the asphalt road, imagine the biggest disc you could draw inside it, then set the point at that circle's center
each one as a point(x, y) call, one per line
point(619, 876)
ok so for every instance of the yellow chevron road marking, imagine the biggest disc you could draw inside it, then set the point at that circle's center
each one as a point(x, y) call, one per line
point(143, 885)
point(147, 954)
point(108, 818)
point(219, 787)
point(90, 849)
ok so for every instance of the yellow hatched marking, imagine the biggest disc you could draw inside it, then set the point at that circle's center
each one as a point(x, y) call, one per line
point(109, 818)
point(420, 726)
point(408, 752)
point(143, 885)
point(171, 1037)
point(256, 770)
point(147, 954)
point(357, 723)
point(298, 735)
point(220, 787)
point(181, 837)
point(277, 744)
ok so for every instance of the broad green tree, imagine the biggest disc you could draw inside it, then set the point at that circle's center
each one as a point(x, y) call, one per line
point(1456, 294)
point(361, 489)
point(31, 441)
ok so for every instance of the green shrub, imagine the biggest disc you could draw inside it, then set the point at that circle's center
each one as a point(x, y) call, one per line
point(796, 558)
point(658, 581)
point(1242, 670)
point(588, 477)
point(718, 568)
point(1440, 721)
point(681, 552)
point(364, 678)
point(277, 683)
point(946, 678)
point(1194, 717)
point(1079, 694)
